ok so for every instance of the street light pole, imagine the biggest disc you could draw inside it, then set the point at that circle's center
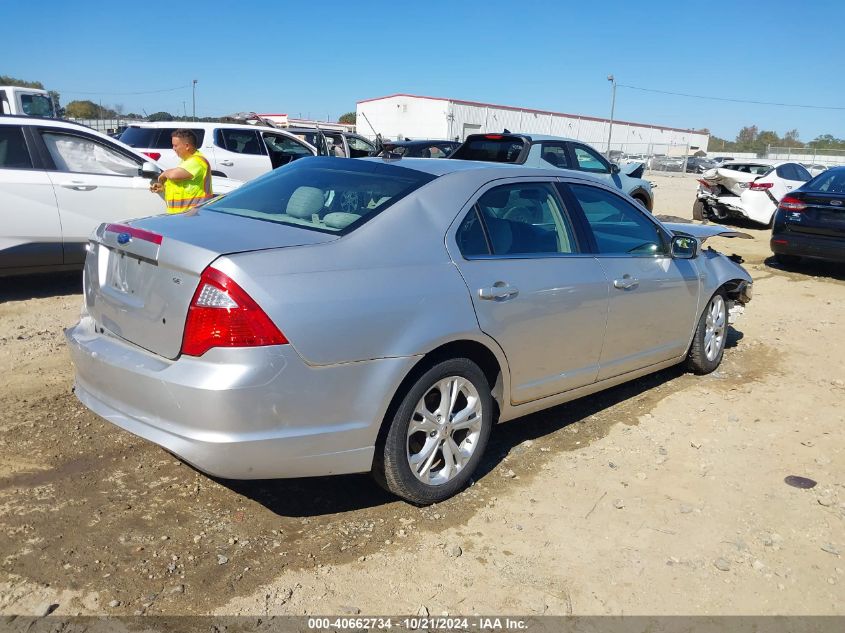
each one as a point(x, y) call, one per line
point(194, 99)
point(612, 80)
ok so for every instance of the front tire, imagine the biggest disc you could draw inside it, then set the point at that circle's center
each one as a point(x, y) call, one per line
point(438, 433)
point(698, 211)
point(708, 342)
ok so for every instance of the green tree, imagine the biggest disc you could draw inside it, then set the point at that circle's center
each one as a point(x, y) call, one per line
point(160, 116)
point(348, 118)
point(88, 110)
point(746, 137)
point(82, 110)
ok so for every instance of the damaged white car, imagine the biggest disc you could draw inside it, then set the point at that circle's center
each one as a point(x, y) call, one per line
point(749, 189)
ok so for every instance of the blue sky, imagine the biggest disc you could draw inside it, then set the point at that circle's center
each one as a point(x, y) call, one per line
point(317, 59)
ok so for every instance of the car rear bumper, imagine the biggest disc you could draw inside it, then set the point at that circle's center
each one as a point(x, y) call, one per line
point(803, 245)
point(248, 413)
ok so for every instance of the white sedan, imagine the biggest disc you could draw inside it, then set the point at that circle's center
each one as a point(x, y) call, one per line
point(58, 182)
point(749, 189)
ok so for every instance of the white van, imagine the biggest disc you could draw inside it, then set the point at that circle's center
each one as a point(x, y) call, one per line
point(28, 101)
point(233, 150)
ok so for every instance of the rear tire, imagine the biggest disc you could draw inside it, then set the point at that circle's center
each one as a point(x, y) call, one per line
point(708, 342)
point(438, 434)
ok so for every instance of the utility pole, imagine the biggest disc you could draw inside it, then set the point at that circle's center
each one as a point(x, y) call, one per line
point(194, 99)
point(612, 80)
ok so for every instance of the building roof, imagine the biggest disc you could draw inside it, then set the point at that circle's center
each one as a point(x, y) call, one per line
point(533, 111)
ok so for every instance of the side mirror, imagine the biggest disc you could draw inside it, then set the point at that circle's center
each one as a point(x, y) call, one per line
point(614, 168)
point(684, 247)
point(149, 170)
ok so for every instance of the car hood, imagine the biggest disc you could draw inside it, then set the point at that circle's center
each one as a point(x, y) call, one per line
point(632, 169)
point(703, 232)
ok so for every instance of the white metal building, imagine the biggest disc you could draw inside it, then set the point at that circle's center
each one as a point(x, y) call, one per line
point(403, 115)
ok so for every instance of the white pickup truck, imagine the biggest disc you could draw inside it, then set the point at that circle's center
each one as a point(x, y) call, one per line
point(27, 101)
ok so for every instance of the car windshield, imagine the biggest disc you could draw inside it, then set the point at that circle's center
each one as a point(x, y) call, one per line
point(322, 194)
point(828, 182)
point(494, 148)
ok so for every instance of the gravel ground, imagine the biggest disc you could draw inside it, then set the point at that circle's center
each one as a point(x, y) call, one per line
point(665, 495)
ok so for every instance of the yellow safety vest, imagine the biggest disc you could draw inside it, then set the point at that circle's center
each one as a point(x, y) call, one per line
point(183, 195)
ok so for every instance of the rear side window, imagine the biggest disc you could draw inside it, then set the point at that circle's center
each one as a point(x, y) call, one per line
point(165, 141)
point(555, 154)
point(154, 137)
point(144, 137)
point(491, 148)
point(322, 194)
point(241, 141)
point(526, 218)
point(13, 152)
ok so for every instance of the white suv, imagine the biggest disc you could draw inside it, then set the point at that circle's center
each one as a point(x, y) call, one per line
point(234, 150)
point(58, 182)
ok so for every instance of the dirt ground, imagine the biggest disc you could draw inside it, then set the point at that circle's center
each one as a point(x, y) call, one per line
point(662, 496)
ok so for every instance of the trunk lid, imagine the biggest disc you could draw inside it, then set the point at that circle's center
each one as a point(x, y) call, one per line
point(824, 215)
point(736, 182)
point(140, 277)
point(704, 231)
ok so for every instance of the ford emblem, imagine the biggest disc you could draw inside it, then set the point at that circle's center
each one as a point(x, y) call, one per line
point(123, 238)
point(836, 203)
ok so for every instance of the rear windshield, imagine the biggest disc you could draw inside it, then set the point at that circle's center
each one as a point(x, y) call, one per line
point(828, 182)
point(330, 195)
point(759, 170)
point(154, 137)
point(492, 150)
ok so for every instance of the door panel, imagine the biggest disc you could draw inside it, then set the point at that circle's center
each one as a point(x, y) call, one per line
point(542, 301)
point(30, 231)
point(94, 182)
point(240, 154)
point(653, 297)
point(652, 320)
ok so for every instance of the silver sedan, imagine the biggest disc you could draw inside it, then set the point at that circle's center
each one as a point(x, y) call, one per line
point(341, 316)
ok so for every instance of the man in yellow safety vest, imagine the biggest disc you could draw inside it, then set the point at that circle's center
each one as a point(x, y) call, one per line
point(189, 184)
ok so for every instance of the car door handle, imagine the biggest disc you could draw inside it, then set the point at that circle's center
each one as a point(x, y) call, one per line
point(626, 283)
point(78, 185)
point(499, 291)
point(228, 163)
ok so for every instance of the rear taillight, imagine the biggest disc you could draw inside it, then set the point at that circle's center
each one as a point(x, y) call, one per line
point(222, 314)
point(493, 137)
point(703, 183)
point(153, 155)
point(760, 186)
point(791, 203)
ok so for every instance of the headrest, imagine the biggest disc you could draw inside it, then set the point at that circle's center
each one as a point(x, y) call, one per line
point(305, 202)
point(339, 219)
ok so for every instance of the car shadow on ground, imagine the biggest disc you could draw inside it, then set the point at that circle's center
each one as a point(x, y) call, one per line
point(810, 268)
point(316, 496)
point(40, 286)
